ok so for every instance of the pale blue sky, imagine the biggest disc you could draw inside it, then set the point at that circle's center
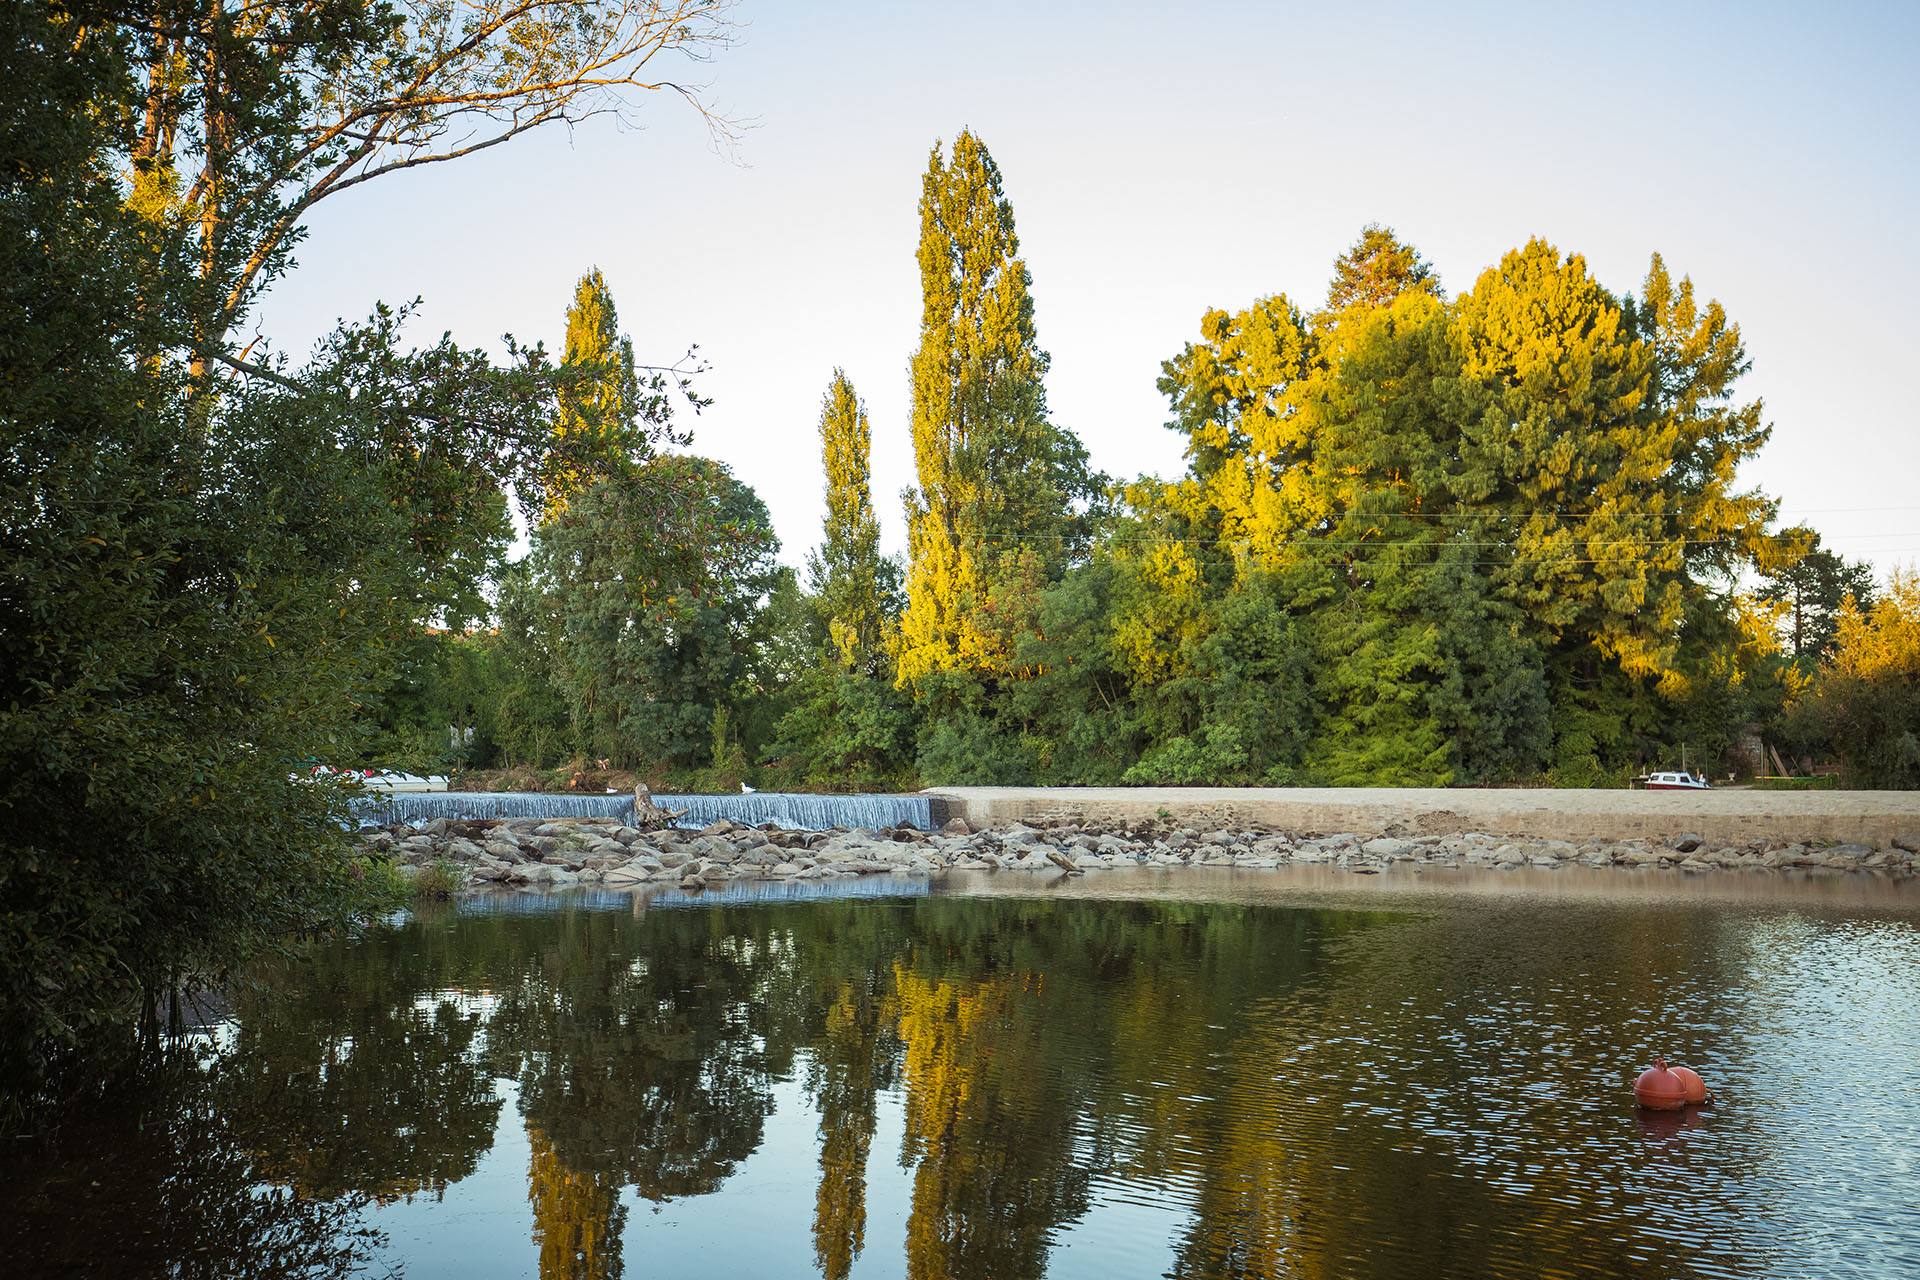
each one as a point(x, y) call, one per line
point(1163, 160)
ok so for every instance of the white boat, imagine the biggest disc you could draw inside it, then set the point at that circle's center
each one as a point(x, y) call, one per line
point(1674, 782)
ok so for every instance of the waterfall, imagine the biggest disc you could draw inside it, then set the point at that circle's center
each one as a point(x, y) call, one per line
point(795, 811)
point(788, 810)
point(418, 808)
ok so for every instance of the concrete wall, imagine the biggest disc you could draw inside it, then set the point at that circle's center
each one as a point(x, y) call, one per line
point(1719, 817)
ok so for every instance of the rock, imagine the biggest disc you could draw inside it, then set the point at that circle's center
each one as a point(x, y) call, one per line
point(379, 840)
point(1387, 847)
point(503, 850)
point(627, 875)
point(438, 827)
point(956, 827)
point(1909, 843)
point(1061, 860)
point(1687, 843)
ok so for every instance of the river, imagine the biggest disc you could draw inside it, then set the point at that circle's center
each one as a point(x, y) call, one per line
point(1184, 1075)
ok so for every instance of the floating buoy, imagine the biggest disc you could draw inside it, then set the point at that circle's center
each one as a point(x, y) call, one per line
point(1659, 1089)
point(1697, 1091)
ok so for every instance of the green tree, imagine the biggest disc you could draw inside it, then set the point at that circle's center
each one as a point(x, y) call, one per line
point(194, 597)
point(1376, 269)
point(596, 415)
point(1811, 591)
point(849, 574)
point(250, 115)
point(650, 582)
point(998, 482)
point(1866, 706)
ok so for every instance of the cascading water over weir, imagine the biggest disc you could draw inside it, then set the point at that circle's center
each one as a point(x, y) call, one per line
point(791, 811)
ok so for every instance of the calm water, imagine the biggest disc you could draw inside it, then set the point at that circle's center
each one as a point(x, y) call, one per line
point(1289, 1081)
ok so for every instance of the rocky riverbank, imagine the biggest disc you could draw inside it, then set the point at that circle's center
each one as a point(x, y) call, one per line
point(529, 852)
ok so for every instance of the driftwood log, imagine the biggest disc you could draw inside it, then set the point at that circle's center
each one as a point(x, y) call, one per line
point(648, 816)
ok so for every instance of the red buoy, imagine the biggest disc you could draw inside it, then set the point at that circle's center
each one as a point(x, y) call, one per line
point(1658, 1089)
point(1697, 1091)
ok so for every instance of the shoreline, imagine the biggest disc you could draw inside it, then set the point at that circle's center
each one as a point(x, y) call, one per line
point(1721, 818)
point(532, 853)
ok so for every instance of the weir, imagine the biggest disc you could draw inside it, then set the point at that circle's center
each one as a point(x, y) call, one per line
point(790, 811)
point(795, 811)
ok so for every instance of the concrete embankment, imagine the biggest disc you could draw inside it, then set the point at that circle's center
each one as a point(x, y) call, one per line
point(1724, 817)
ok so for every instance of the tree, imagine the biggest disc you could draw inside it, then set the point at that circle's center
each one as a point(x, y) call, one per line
point(649, 584)
point(194, 597)
point(1867, 702)
point(998, 482)
point(596, 415)
point(1812, 591)
point(252, 114)
point(1376, 269)
point(849, 571)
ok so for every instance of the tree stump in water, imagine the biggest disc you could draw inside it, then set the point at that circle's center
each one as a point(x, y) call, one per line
point(648, 816)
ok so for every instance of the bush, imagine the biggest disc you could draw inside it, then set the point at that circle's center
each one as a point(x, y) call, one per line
point(439, 880)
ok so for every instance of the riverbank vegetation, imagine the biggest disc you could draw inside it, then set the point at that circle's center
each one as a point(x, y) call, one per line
point(1490, 536)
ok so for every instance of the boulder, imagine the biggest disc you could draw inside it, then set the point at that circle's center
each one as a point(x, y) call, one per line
point(503, 850)
point(1687, 843)
point(956, 827)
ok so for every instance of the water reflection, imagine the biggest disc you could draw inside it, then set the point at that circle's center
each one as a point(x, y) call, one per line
point(1077, 1087)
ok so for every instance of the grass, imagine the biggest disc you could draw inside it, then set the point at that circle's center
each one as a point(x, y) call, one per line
point(439, 879)
point(1827, 783)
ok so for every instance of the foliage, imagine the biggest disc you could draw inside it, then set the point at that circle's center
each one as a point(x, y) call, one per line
point(648, 584)
point(251, 115)
point(196, 593)
point(439, 879)
point(1812, 590)
point(1001, 489)
point(1377, 269)
point(849, 575)
point(1867, 706)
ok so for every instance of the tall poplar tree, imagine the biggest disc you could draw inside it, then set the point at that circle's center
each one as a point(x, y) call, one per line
point(993, 513)
point(847, 572)
point(596, 417)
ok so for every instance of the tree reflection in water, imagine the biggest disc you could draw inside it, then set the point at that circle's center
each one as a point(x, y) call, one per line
point(1220, 1055)
point(161, 1181)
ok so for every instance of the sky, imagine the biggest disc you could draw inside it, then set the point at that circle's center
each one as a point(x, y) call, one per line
point(1162, 160)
